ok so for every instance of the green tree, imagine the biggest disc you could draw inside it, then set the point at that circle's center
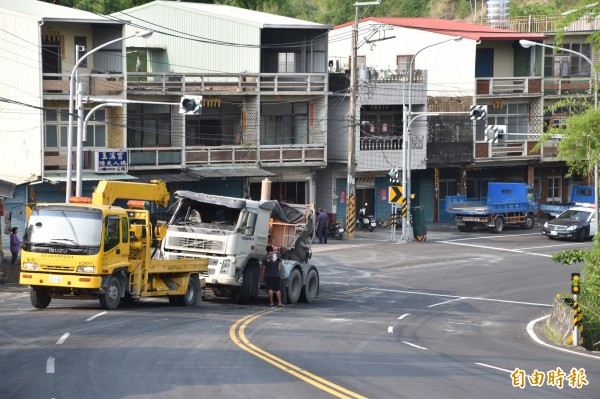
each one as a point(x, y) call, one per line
point(580, 148)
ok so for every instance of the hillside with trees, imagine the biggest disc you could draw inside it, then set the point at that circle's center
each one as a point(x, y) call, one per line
point(335, 12)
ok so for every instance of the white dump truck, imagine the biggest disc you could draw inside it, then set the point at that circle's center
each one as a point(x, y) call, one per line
point(232, 233)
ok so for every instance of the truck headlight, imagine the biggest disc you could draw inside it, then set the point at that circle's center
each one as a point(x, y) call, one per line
point(86, 269)
point(30, 266)
point(225, 266)
point(546, 225)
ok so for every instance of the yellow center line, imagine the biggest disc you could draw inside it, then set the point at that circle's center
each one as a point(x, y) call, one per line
point(239, 327)
point(354, 290)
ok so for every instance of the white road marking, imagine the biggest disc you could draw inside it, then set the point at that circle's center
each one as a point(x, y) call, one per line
point(403, 316)
point(462, 297)
point(551, 246)
point(494, 367)
point(496, 249)
point(491, 237)
point(390, 329)
point(445, 302)
point(62, 339)
point(93, 317)
point(539, 341)
point(414, 346)
point(50, 365)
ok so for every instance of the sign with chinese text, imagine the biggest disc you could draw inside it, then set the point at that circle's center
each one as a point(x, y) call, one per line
point(114, 161)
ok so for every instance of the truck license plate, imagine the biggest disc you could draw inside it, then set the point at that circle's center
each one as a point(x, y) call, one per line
point(373, 224)
point(56, 279)
point(553, 233)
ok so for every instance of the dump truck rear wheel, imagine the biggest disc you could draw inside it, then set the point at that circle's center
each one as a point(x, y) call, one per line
point(111, 297)
point(311, 287)
point(294, 286)
point(242, 296)
point(40, 298)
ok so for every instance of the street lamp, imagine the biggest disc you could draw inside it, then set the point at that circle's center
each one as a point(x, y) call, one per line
point(529, 43)
point(406, 225)
point(350, 191)
point(144, 34)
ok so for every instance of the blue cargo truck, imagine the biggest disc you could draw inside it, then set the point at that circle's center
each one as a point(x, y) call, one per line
point(507, 203)
point(580, 196)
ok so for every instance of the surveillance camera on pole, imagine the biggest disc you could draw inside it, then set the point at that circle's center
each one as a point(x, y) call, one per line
point(190, 105)
point(478, 112)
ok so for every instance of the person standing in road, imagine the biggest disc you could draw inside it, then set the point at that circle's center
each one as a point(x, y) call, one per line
point(15, 244)
point(273, 272)
point(322, 222)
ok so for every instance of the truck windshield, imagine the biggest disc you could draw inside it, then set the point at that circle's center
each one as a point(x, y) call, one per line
point(70, 230)
point(197, 215)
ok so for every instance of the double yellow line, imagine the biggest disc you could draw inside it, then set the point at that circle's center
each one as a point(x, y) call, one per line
point(237, 335)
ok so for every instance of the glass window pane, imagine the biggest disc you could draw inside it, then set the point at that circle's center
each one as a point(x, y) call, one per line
point(88, 139)
point(51, 137)
point(50, 115)
point(100, 136)
point(100, 115)
point(63, 136)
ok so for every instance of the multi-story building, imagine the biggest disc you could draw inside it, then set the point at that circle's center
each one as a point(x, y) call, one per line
point(262, 78)
point(448, 152)
point(39, 42)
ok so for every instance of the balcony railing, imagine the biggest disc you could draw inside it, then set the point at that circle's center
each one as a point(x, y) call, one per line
point(95, 84)
point(380, 143)
point(506, 149)
point(568, 86)
point(508, 86)
point(179, 84)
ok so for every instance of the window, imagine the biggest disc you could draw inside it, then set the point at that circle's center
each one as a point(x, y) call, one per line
point(248, 223)
point(361, 61)
point(51, 55)
point(403, 62)
point(284, 123)
point(215, 126)
point(563, 64)
point(515, 116)
point(554, 189)
point(81, 50)
point(286, 63)
point(148, 125)
point(111, 232)
point(56, 123)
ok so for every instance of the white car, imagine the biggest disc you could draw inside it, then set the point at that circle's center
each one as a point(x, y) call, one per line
point(577, 223)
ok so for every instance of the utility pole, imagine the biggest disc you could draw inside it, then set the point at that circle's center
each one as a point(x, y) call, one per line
point(351, 186)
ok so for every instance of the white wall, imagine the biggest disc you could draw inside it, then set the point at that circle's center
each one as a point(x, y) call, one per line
point(20, 80)
point(450, 66)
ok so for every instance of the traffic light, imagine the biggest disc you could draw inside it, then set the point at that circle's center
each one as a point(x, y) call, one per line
point(493, 132)
point(393, 175)
point(190, 105)
point(478, 112)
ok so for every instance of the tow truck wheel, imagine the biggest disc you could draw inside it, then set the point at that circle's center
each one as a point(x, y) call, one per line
point(40, 298)
point(311, 287)
point(193, 295)
point(111, 297)
point(294, 286)
point(242, 296)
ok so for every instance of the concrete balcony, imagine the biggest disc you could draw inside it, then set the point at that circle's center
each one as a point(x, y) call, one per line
point(509, 87)
point(508, 149)
point(180, 84)
point(568, 86)
point(56, 86)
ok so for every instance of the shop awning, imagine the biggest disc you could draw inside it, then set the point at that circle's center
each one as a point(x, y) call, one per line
point(88, 176)
point(240, 171)
point(7, 189)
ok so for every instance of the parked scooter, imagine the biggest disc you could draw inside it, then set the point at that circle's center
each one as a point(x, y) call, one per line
point(336, 230)
point(366, 221)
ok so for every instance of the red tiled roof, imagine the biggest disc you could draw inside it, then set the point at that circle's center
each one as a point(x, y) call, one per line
point(452, 28)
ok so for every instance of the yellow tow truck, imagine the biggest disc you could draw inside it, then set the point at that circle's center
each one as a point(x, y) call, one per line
point(89, 248)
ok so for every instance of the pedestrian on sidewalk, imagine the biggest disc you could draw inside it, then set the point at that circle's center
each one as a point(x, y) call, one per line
point(15, 244)
point(322, 222)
